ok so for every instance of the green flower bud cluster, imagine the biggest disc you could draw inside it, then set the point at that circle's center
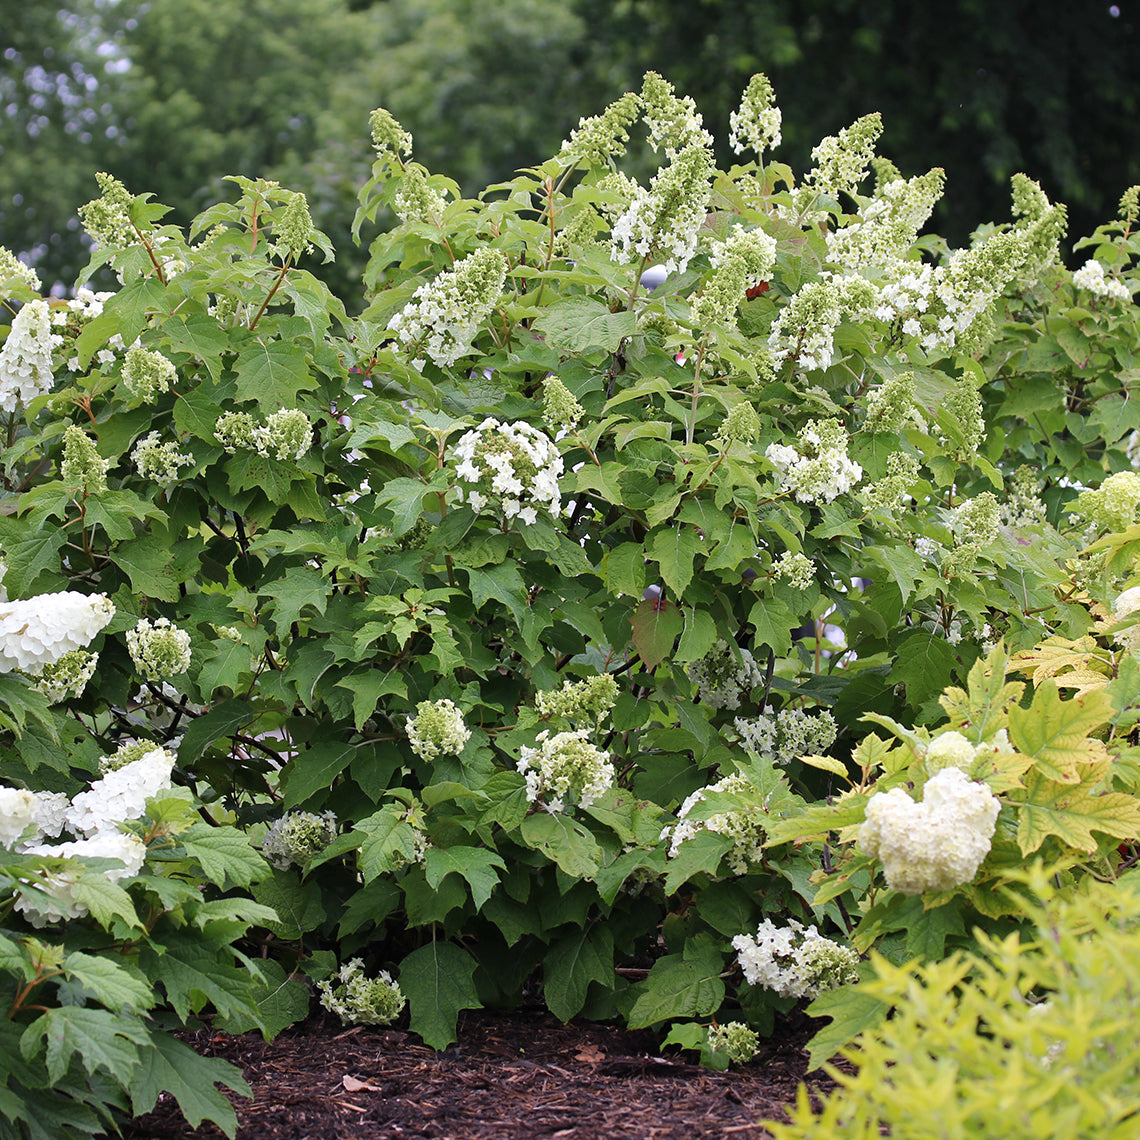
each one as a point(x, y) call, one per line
point(1042, 224)
point(293, 228)
point(1023, 505)
point(674, 122)
point(66, 677)
point(82, 467)
point(735, 1039)
point(297, 838)
point(797, 569)
point(147, 374)
point(286, 434)
point(804, 329)
point(437, 729)
point(841, 163)
point(11, 267)
point(388, 137)
point(890, 406)
point(1113, 505)
point(742, 425)
point(1129, 208)
point(416, 200)
point(226, 632)
point(359, 1000)
point(962, 405)
point(600, 138)
point(589, 700)
point(756, 123)
point(741, 262)
point(560, 410)
point(977, 520)
point(126, 754)
point(889, 494)
point(159, 461)
point(724, 675)
point(107, 218)
point(159, 649)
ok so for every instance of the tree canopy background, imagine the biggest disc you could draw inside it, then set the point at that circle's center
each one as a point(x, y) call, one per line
point(172, 95)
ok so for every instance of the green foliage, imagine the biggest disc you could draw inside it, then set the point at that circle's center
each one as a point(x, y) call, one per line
point(1030, 1035)
point(577, 689)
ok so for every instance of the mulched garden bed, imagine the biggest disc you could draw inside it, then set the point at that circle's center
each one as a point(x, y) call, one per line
point(520, 1075)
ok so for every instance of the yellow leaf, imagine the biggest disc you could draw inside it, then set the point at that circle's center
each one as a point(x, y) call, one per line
point(828, 764)
point(1055, 732)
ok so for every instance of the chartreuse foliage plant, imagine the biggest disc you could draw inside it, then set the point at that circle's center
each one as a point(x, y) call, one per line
point(622, 601)
point(1031, 1034)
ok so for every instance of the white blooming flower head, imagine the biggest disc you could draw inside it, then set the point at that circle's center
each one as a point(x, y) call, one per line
point(158, 461)
point(52, 811)
point(508, 470)
point(146, 374)
point(724, 675)
point(788, 735)
point(388, 137)
point(793, 961)
point(674, 122)
point(841, 161)
point(756, 123)
point(796, 568)
point(57, 902)
point(744, 826)
point(66, 677)
point(666, 219)
point(437, 729)
point(17, 814)
point(736, 1039)
point(297, 838)
point(565, 769)
point(442, 319)
point(25, 358)
point(126, 754)
point(38, 631)
point(236, 430)
point(977, 519)
point(121, 794)
point(159, 649)
point(416, 199)
point(934, 845)
point(286, 434)
point(1126, 604)
point(804, 329)
point(818, 469)
point(948, 749)
point(360, 1000)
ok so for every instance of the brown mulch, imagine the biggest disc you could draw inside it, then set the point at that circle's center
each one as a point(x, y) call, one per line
point(524, 1076)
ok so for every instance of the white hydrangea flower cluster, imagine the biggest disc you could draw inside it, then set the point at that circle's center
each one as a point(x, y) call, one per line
point(788, 735)
point(888, 224)
point(17, 814)
point(756, 123)
point(793, 961)
point(360, 1000)
point(73, 315)
point(934, 845)
point(126, 753)
point(297, 838)
point(437, 729)
point(442, 319)
point(38, 631)
point(26, 357)
point(416, 200)
point(159, 649)
point(724, 675)
point(666, 219)
point(1125, 605)
point(950, 749)
point(841, 160)
point(121, 794)
point(68, 676)
point(82, 467)
point(52, 897)
point(743, 826)
point(1091, 276)
point(742, 261)
point(1113, 505)
point(158, 461)
point(1023, 506)
point(674, 122)
point(796, 568)
point(818, 469)
point(565, 768)
point(804, 329)
point(509, 470)
point(736, 1039)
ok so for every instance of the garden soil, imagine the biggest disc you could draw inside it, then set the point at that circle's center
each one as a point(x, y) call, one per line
point(520, 1076)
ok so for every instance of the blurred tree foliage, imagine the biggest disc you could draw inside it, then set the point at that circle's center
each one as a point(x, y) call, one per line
point(171, 95)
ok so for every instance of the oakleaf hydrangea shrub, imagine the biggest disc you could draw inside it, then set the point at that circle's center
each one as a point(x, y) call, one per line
point(571, 603)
